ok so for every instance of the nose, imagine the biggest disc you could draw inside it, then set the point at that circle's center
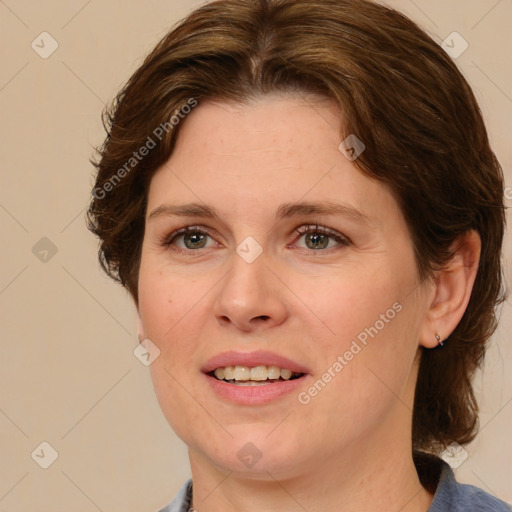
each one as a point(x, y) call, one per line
point(250, 296)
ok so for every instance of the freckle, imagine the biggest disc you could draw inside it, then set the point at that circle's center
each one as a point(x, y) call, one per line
point(170, 301)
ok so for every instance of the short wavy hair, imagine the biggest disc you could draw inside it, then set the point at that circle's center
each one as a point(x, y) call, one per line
point(399, 92)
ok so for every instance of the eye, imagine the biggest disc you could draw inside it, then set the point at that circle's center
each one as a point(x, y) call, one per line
point(318, 237)
point(193, 237)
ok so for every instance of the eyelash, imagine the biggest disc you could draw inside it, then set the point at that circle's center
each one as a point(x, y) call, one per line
point(302, 230)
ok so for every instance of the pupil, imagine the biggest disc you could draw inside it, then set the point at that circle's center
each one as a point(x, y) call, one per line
point(316, 238)
point(191, 236)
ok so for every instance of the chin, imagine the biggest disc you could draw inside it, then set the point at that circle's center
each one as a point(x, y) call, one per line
point(251, 452)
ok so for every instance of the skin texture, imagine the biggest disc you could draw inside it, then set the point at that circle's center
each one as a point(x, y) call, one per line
point(349, 448)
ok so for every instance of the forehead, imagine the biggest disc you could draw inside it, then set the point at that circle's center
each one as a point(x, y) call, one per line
point(275, 128)
point(275, 149)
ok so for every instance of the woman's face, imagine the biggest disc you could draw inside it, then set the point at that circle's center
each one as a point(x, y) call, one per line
point(249, 287)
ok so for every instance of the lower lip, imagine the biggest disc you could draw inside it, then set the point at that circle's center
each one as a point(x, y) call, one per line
point(254, 395)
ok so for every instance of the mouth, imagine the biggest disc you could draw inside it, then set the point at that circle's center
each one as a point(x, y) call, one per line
point(254, 376)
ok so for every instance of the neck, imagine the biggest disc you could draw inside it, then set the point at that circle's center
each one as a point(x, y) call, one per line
point(365, 478)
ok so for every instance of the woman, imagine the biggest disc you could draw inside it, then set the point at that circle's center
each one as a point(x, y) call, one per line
point(301, 199)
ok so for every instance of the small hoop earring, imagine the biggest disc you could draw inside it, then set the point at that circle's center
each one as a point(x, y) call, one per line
point(438, 338)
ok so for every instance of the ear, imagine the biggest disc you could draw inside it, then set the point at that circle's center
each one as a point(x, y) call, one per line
point(453, 286)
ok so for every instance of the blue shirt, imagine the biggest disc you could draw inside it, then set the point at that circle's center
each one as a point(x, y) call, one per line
point(449, 495)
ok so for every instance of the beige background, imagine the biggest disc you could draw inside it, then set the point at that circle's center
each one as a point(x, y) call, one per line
point(68, 374)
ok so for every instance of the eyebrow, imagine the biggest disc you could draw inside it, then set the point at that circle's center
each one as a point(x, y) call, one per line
point(286, 210)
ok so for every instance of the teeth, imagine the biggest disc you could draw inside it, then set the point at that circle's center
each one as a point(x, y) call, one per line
point(250, 383)
point(242, 373)
point(286, 374)
point(259, 373)
point(246, 374)
point(229, 372)
point(274, 372)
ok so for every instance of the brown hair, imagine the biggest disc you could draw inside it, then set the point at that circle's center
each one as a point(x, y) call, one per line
point(399, 93)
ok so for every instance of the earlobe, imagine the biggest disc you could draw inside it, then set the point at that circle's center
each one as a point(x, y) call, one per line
point(453, 287)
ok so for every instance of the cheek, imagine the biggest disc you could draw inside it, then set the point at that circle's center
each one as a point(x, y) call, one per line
point(168, 306)
point(178, 405)
point(370, 326)
point(352, 304)
point(173, 310)
point(165, 299)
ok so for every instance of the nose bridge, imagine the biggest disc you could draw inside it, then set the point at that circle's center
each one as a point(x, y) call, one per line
point(250, 293)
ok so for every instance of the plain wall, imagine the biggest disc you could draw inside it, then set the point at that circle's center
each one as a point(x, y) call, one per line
point(68, 374)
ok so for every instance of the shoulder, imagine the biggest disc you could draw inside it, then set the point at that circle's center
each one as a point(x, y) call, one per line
point(452, 496)
point(181, 501)
point(455, 497)
point(473, 498)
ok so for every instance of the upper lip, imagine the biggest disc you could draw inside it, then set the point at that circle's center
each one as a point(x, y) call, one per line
point(252, 359)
